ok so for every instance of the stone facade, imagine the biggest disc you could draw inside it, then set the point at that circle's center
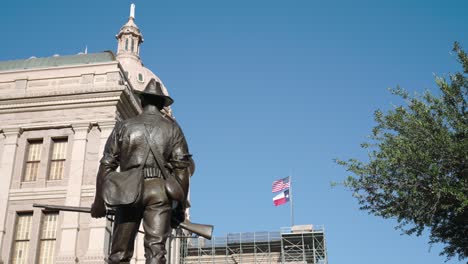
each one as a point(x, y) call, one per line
point(79, 103)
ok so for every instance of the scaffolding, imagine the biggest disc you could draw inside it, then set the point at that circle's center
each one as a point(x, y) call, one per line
point(297, 244)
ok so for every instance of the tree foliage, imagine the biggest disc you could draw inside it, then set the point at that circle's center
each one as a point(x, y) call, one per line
point(417, 168)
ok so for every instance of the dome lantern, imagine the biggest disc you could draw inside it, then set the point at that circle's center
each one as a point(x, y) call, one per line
point(129, 37)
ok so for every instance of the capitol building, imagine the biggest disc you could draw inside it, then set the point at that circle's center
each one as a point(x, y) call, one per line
point(55, 116)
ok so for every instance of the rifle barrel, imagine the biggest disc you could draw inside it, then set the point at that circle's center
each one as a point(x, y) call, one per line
point(199, 229)
point(64, 208)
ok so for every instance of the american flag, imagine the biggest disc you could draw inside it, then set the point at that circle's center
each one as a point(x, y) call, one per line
point(280, 185)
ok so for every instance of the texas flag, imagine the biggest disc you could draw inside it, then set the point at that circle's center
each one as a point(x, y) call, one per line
point(281, 198)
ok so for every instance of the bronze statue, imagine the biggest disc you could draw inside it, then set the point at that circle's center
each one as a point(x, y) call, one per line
point(154, 162)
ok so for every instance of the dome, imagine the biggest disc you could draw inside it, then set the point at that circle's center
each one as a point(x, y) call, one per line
point(138, 75)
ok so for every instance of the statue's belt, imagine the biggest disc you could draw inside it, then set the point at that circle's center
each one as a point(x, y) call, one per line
point(151, 173)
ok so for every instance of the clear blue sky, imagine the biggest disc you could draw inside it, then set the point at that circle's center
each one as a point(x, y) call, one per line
point(263, 88)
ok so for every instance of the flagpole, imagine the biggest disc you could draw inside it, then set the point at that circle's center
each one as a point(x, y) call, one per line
point(291, 199)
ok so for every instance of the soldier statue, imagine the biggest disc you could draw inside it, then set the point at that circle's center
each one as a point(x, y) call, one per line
point(153, 180)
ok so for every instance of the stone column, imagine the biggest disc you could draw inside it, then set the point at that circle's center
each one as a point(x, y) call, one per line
point(7, 164)
point(70, 220)
point(99, 229)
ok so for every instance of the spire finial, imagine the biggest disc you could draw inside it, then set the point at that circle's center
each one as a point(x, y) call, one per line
point(132, 10)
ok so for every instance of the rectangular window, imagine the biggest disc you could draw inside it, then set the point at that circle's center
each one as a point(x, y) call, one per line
point(22, 238)
point(48, 238)
point(57, 159)
point(33, 160)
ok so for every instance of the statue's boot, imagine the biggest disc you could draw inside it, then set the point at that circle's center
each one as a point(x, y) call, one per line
point(155, 254)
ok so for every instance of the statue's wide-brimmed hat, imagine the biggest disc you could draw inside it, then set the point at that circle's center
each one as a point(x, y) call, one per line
point(154, 90)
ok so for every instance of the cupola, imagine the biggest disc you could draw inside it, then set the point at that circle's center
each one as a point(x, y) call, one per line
point(129, 38)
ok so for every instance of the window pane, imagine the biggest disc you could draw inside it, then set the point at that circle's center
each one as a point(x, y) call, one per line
point(34, 151)
point(31, 172)
point(33, 159)
point(59, 149)
point(47, 253)
point(57, 161)
point(20, 253)
point(48, 238)
point(22, 236)
point(49, 226)
point(56, 170)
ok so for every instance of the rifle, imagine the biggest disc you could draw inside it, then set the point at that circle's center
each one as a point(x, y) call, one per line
point(205, 231)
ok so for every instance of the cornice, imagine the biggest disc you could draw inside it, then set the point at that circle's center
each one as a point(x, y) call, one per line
point(121, 95)
point(62, 104)
point(54, 68)
point(57, 125)
point(64, 92)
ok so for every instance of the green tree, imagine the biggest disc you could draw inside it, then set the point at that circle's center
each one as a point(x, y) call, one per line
point(417, 167)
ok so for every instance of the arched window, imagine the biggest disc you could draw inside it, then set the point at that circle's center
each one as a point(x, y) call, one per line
point(126, 44)
point(133, 46)
point(140, 77)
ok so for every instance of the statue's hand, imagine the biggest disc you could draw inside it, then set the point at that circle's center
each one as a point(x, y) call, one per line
point(98, 209)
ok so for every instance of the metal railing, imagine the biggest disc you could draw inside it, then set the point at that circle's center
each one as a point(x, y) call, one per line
point(298, 244)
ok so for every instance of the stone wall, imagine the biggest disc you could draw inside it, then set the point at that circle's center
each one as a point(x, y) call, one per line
point(82, 104)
